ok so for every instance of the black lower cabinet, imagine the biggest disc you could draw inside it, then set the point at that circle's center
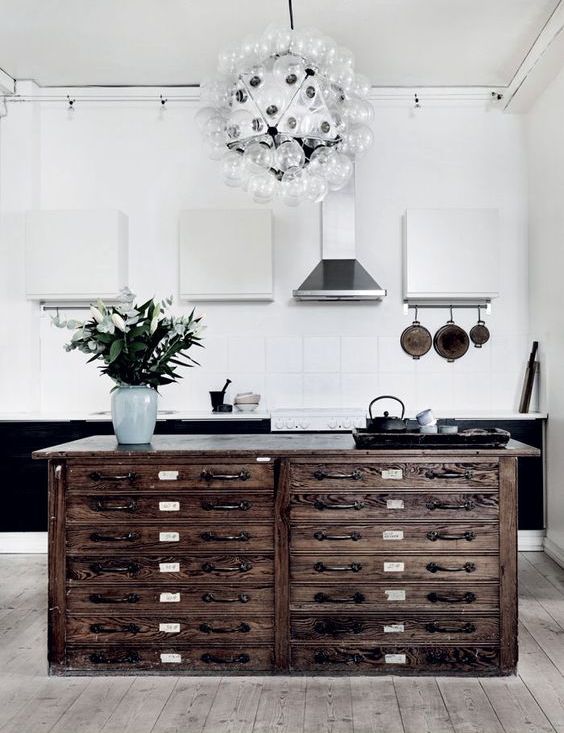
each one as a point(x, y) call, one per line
point(24, 485)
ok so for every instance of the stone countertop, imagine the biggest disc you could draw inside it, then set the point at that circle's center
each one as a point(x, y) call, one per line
point(256, 446)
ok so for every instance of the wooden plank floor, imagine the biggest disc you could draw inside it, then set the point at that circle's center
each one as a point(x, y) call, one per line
point(31, 702)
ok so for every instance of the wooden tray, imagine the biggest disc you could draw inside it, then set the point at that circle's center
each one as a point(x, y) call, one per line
point(473, 438)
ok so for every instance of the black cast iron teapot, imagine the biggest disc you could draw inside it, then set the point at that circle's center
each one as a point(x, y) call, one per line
point(386, 423)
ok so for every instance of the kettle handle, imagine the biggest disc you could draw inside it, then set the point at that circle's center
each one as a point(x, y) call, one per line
point(386, 397)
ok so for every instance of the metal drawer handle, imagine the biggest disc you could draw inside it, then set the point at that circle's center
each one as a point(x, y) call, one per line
point(462, 656)
point(355, 475)
point(212, 537)
point(108, 567)
point(324, 598)
point(462, 598)
point(130, 657)
point(243, 628)
point(332, 627)
point(435, 504)
point(243, 475)
point(242, 567)
point(127, 537)
point(100, 598)
point(323, 657)
point(436, 627)
point(213, 659)
point(123, 629)
point(104, 504)
point(354, 536)
point(435, 535)
point(449, 474)
point(321, 505)
point(241, 506)
point(468, 567)
point(212, 598)
point(354, 567)
point(97, 476)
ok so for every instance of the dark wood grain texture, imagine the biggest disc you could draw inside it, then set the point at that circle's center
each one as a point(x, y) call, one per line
point(508, 566)
point(282, 570)
point(56, 591)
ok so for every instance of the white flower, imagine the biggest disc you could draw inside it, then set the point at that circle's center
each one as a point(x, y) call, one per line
point(96, 314)
point(118, 322)
point(153, 326)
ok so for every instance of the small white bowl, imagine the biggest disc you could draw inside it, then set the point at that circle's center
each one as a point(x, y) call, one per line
point(247, 399)
point(428, 429)
point(246, 407)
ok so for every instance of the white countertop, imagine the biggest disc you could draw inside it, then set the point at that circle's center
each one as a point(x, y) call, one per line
point(39, 416)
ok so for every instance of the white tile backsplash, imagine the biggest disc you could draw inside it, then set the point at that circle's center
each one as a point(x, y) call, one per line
point(357, 390)
point(285, 390)
point(284, 354)
point(322, 390)
point(434, 391)
point(359, 354)
point(392, 358)
point(247, 355)
point(322, 354)
point(398, 385)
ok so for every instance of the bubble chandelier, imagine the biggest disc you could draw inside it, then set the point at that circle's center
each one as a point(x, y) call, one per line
point(287, 115)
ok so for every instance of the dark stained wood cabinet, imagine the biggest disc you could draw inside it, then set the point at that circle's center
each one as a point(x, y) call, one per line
point(278, 554)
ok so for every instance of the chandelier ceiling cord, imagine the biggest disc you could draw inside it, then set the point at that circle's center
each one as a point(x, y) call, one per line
point(287, 116)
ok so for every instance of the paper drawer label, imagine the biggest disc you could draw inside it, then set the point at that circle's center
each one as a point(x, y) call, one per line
point(169, 598)
point(169, 537)
point(263, 459)
point(394, 658)
point(168, 475)
point(393, 534)
point(169, 506)
point(169, 628)
point(395, 595)
point(171, 658)
point(169, 567)
point(394, 629)
point(393, 473)
point(395, 504)
point(394, 567)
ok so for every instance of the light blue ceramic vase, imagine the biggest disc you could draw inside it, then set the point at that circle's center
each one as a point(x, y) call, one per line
point(134, 414)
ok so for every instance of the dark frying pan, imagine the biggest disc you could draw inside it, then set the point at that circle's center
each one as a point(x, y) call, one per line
point(451, 341)
point(480, 333)
point(416, 339)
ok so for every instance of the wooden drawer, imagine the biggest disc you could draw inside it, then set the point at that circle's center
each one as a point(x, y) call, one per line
point(168, 657)
point(170, 599)
point(169, 537)
point(166, 569)
point(395, 596)
point(112, 476)
point(430, 475)
point(395, 659)
point(353, 568)
point(166, 505)
point(203, 598)
point(405, 537)
point(172, 628)
point(399, 628)
point(394, 505)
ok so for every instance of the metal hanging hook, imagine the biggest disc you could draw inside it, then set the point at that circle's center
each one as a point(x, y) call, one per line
point(164, 100)
point(70, 102)
point(417, 103)
point(291, 12)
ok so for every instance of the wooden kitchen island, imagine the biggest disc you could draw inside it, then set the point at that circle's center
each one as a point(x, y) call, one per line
point(281, 554)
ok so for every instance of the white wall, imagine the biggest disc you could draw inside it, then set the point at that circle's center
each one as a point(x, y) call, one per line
point(545, 141)
point(150, 164)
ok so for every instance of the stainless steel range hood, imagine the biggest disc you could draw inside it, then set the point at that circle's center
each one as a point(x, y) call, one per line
point(339, 275)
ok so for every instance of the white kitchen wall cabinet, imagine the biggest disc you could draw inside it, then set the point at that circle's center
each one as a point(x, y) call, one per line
point(451, 255)
point(226, 254)
point(75, 255)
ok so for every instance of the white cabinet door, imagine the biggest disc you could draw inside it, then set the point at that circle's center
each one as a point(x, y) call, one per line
point(451, 254)
point(226, 254)
point(75, 255)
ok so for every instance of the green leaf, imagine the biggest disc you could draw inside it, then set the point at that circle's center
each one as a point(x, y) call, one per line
point(115, 350)
point(137, 346)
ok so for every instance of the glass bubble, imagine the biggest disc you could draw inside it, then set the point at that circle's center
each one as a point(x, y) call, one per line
point(289, 69)
point(338, 170)
point(293, 186)
point(344, 56)
point(271, 100)
point(213, 124)
point(215, 152)
point(289, 155)
point(240, 125)
point(203, 115)
point(229, 59)
point(357, 140)
point(361, 86)
point(282, 40)
point(215, 92)
point(250, 52)
point(341, 75)
point(233, 169)
point(356, 110)
point(318, 160)
point(316, 188)
point(262, 187)
point(310, 96)
point(259, 154)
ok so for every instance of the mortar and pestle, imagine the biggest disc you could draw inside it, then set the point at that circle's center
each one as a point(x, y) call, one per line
point(217, 397)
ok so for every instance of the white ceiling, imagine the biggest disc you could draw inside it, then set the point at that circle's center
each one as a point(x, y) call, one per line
point(165, 42)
